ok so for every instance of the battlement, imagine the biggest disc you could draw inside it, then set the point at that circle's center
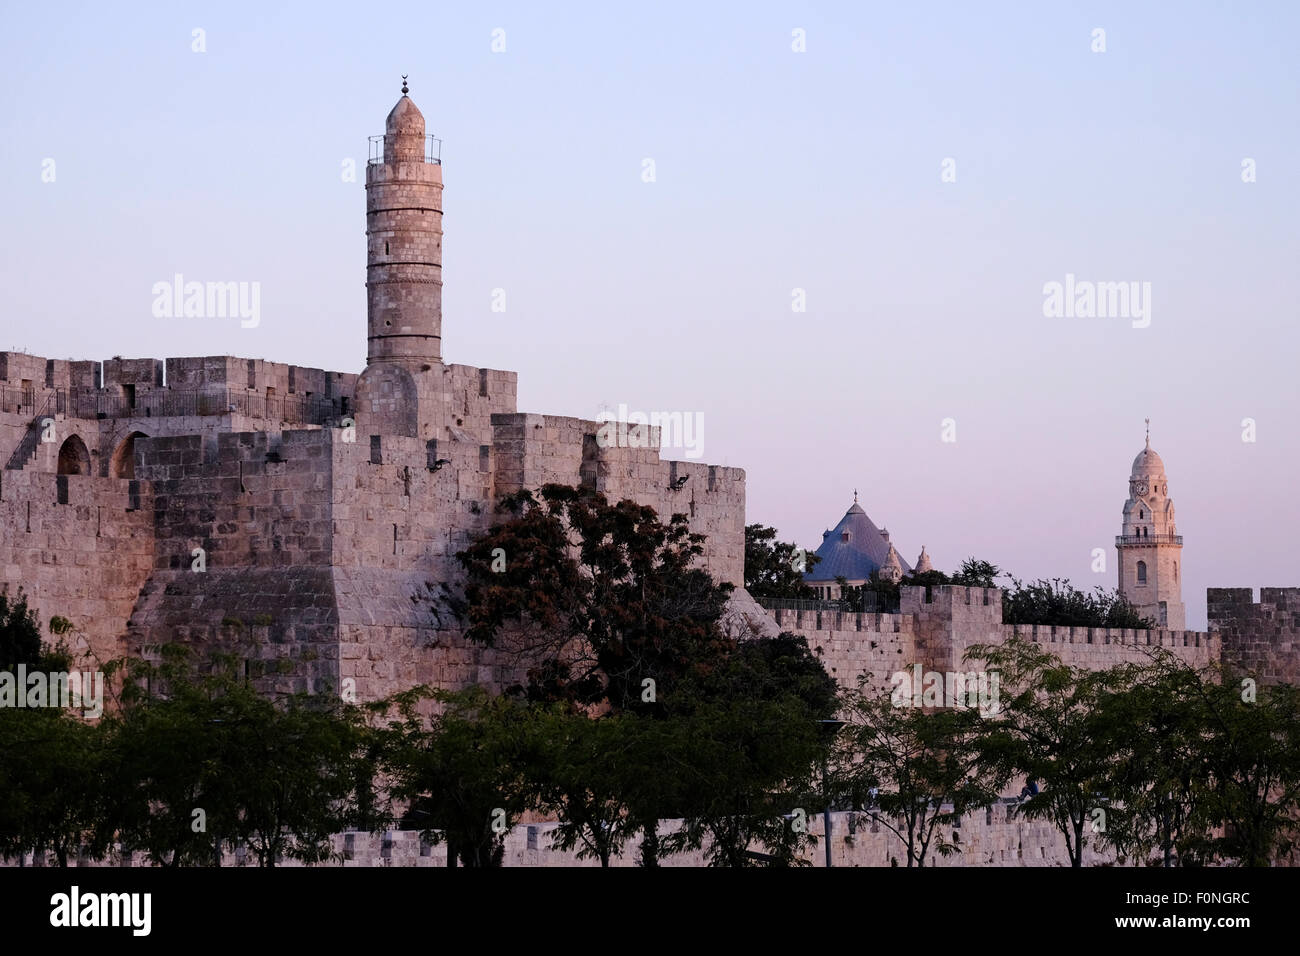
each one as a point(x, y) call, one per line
point(1227, 604)
point(1101, 636)
point(952, 599)
point(175, 387)
point(808, 620)
point(936, 626)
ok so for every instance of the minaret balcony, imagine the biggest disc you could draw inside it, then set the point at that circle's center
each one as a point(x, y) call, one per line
point(432, 152)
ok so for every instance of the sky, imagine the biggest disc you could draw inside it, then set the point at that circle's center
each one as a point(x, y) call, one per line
point(839, 261)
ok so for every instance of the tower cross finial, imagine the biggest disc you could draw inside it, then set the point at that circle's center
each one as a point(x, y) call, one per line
point(1148, 433)
point(405, 89)
point(855, 496)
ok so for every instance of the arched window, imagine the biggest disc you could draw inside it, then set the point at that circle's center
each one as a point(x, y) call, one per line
point(1141, 513)
point(123, 463)
point(74, 459)
point(1142, 572)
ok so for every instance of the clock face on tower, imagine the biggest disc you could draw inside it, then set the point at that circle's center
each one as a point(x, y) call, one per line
point(1142, 489)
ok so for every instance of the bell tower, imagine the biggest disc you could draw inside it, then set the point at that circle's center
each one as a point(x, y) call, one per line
point(1149, 546)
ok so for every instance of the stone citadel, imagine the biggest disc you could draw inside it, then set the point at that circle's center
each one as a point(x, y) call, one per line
point(309, 519)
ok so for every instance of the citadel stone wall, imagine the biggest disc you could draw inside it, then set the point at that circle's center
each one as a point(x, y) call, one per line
point(328, 551)
point(1260, 638)
point(80, 546)
point(937, 626)
point(534, 450)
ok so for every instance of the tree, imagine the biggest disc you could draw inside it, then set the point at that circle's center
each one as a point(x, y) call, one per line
point(600, 597)
point(300, 777)
point(975, 573)
point(745, 744)
point(200, 760)
point(1054, 732)
point(464, 772)
point(923, 771)
point(775, 569)
point(594, 774)
point(1214, 775)
point(1059, 602)
point(876, 595)
point(924, 579)
point(53, 795)
point(1159, 776)
point(618, 620)
point(20, 633)
point(1253, 755)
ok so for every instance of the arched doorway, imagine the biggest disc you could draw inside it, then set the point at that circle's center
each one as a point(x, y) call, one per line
point(74, 459)
point(123, 463)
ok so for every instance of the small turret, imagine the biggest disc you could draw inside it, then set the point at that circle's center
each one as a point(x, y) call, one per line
point(892, 569)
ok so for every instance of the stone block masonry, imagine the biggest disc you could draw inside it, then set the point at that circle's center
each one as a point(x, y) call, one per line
point(1261, 639)
point(81, 547)
point(935, 627)
point(328, 552)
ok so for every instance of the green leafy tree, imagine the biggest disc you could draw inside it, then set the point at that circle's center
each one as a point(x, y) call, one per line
point(301, 776)
point(1160, 775)
point(468, 773)
point(1053, 730)
point(591, 772)
point(201, 761)
point(625, 587)
point(877, 595)
point(601, 597)
point(746, 748)
point(926, 579)
point(20, 633)
point(53, 797)
point(920, 772)
point(1059, 602)
point(1253, 755)
point(975, 573)
point(775, 569)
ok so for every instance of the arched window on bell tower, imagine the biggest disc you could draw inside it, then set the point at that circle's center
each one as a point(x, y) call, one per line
point(1142, 572)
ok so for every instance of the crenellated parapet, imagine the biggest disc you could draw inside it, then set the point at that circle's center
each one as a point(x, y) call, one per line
point(936, 626)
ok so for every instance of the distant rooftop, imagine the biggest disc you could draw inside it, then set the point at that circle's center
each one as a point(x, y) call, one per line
point(852, 550)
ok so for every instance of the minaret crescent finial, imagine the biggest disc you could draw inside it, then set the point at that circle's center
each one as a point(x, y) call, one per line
point(405, 89)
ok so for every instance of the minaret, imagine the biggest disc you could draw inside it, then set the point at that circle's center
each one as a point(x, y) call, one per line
point(404, 240)
point(1150, 548)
